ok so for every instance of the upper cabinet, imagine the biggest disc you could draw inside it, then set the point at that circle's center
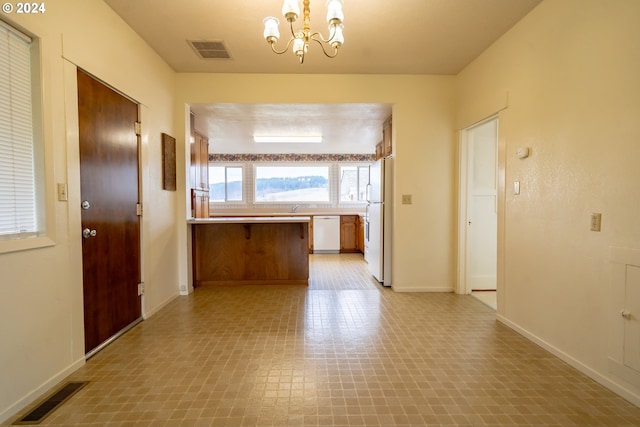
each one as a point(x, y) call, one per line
point(385, 147)
point(199, 173)
point(200, 162)
point(386, 137)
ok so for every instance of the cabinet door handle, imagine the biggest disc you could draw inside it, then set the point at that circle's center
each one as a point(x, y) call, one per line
point(626, 314)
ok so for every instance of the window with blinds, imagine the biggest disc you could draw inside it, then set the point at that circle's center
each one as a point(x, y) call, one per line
point(18, 198)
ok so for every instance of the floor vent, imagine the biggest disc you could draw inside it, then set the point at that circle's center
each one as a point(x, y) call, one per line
point(51, 403)
point(210, 49)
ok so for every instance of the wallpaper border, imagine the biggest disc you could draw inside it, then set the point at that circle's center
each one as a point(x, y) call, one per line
point(292, 157)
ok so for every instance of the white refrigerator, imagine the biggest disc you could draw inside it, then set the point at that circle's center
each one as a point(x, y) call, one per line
point(377, 244)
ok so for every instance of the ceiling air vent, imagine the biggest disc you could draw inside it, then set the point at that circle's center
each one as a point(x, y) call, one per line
point(210, 49)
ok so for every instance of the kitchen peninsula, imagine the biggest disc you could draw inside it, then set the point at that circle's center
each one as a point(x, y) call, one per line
point(250, 250)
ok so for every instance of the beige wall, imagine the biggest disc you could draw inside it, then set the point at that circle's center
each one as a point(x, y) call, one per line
point(424, 163)
point(41, 317)
point(570, 69)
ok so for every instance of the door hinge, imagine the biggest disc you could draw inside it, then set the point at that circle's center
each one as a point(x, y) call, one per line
point(138, 128)
point(139, 209)
point(140, 289)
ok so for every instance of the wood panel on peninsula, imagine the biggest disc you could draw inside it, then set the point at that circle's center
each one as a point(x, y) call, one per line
point(250, 251)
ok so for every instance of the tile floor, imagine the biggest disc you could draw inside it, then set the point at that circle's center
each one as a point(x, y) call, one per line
point(342, 352)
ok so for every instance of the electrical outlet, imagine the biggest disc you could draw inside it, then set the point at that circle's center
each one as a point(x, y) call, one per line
point(406, 199)
point(596, 221)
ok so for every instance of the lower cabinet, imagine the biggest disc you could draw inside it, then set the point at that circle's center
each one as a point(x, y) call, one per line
point(360, 241)
point(311, 235)
point(349, 233)
point(260, 251)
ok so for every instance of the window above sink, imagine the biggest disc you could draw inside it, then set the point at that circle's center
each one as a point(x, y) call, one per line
point(308, 183)
point(280, 182)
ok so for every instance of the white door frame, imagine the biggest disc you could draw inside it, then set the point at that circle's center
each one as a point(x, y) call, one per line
point(463, 168)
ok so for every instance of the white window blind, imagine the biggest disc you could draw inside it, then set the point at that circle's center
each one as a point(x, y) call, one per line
point(18, 213)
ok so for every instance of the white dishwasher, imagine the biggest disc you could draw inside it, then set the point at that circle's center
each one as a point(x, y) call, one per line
point(326, 234)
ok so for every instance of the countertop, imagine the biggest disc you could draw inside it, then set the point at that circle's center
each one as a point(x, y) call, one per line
point(251, 220)
point(219, 214)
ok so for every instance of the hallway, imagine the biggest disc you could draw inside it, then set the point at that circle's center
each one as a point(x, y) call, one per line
point(342, 352)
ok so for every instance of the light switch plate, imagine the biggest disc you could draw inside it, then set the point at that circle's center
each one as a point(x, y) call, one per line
point(596, 221)
point(516, 187)
point(406, 199)
point(63, 195)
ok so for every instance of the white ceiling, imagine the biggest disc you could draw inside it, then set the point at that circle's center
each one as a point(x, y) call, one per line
point(381, 37)
point(345, 128)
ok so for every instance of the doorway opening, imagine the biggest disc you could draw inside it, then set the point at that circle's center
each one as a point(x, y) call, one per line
point(478, 217)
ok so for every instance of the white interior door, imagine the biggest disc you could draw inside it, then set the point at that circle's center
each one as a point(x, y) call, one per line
point(632, 319)
point(482, 206)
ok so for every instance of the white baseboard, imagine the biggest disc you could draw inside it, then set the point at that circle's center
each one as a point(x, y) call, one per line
point(34, 395)
point(630, 375)
point(398, 288)
point(148, 314)
point(607, 382)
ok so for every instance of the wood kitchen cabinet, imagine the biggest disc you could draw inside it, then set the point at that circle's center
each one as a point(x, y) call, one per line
point(199, 203)
point(348, 233)
point(310, 234)
point(360, 234)
point(387, 142)
point(250, 251)
point(199, 173)
point(385, 147)
point(379, 151)
point(200, 162)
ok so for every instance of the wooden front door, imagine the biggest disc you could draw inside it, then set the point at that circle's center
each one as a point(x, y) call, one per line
point(111, 226)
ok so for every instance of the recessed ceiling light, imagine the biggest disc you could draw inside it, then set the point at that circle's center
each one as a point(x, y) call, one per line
point(288, 139)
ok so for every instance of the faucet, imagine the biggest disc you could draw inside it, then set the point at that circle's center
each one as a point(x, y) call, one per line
point(294, 208)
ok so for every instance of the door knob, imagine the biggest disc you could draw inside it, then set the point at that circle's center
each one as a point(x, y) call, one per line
point(86, 233)
point(626, 314)
point(85, 204)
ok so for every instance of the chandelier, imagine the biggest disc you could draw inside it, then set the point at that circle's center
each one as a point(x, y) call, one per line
point(300, 40)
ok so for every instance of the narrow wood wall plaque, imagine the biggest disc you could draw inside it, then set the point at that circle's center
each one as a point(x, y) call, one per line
point(168, 162)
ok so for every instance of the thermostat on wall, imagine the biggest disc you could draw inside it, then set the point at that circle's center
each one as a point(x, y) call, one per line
point(523, 152)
